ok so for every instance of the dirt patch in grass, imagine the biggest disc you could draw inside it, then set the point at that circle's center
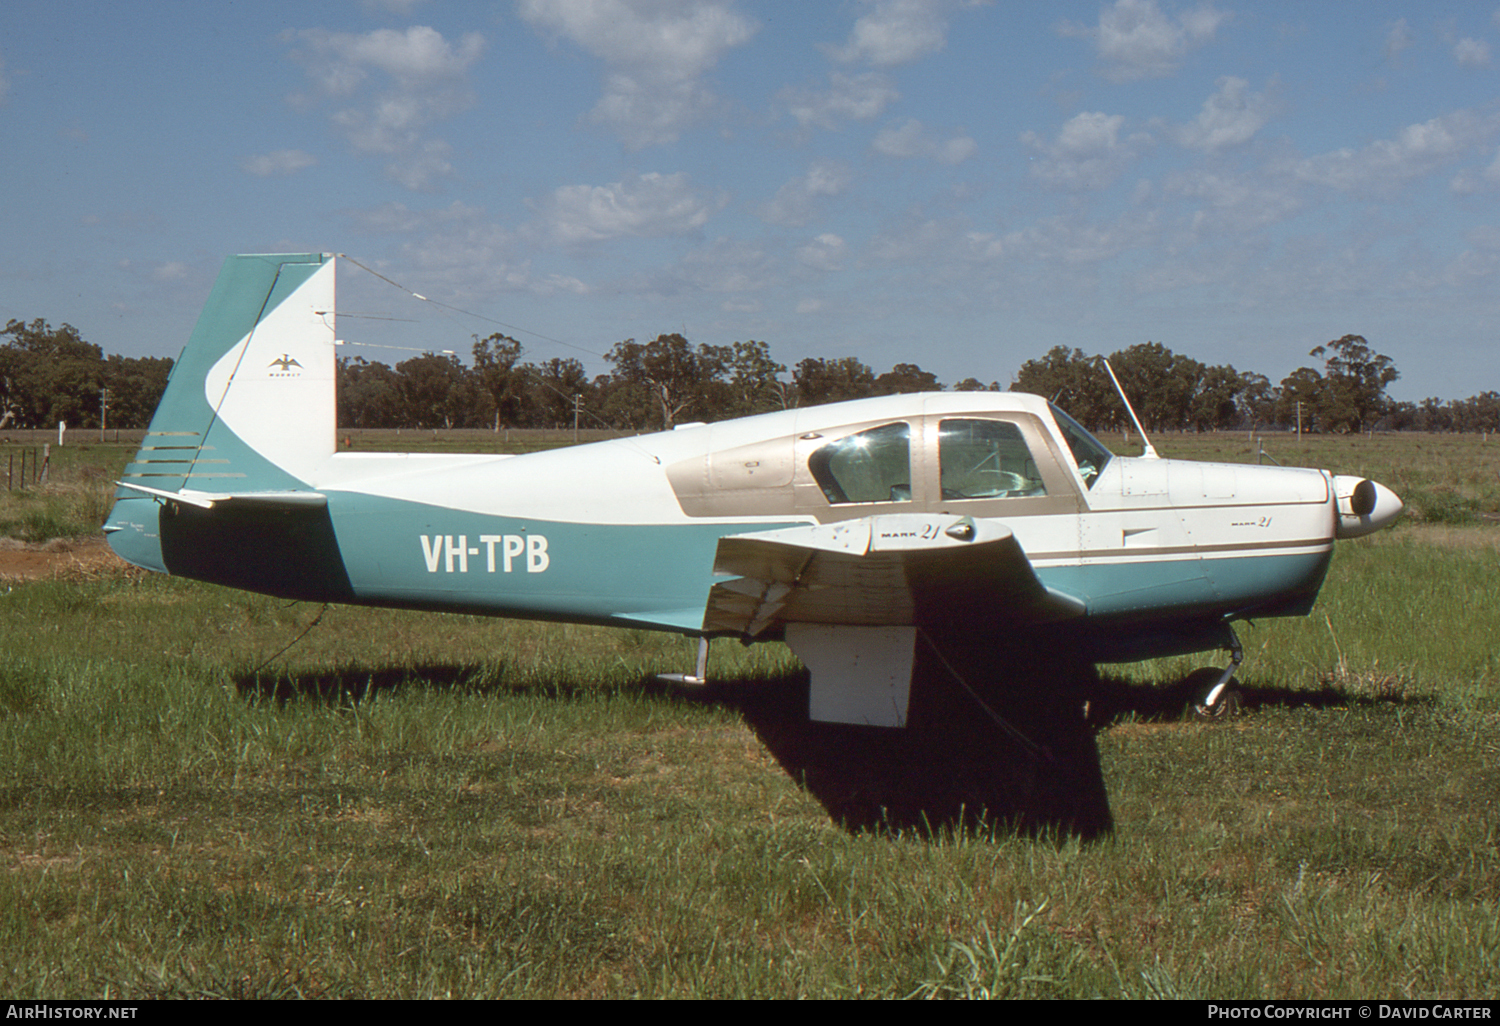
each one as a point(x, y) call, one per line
point(60, 559)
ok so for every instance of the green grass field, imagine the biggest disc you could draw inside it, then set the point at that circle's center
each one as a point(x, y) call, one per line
point(419, 805)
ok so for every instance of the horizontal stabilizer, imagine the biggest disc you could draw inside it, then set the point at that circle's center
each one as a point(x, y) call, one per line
point(686, 621)
point(273, 500)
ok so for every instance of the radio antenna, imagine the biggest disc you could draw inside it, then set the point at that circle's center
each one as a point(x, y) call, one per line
point(1150, 453)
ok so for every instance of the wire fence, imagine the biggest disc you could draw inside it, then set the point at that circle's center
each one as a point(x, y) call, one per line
point(32, 469)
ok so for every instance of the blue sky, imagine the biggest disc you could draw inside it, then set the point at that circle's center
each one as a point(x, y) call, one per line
point(958, 184)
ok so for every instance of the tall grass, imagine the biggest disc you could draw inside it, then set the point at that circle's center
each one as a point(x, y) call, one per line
point(415, 805)
point(78, 492)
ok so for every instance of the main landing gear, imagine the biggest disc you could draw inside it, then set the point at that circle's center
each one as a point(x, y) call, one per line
point(1220, 696)
point(699, 677)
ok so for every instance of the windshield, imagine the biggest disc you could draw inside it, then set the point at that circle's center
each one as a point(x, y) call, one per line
point(1088, 452)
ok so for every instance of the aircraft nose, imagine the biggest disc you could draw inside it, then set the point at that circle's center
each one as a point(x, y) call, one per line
point(1364, 506)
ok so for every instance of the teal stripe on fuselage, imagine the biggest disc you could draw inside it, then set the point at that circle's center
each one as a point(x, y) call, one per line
point(408, 553)
point(1136, 588)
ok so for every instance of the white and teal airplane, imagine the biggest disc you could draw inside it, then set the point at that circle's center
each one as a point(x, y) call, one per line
point(850, 530)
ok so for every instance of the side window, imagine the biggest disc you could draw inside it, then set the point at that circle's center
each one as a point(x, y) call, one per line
point(871, 466)
point(986, 459)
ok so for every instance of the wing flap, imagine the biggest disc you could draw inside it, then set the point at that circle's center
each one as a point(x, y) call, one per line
point(898, 569)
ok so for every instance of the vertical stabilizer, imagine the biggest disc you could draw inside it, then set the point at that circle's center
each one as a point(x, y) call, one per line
point(250, 405)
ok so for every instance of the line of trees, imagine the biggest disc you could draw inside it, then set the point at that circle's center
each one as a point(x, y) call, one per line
point(651, 385)
point(50, 374)
point(1170, 391)
point(1174, 392)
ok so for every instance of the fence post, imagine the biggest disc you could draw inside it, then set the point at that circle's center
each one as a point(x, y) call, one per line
point(46, 462)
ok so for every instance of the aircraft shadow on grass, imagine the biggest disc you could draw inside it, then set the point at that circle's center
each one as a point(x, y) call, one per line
point(1008, 765)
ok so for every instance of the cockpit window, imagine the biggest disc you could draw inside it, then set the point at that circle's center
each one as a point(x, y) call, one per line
point(1088, 452)
point(986, 459)
point(871, 466)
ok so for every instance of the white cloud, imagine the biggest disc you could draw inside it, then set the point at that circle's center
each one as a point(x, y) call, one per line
point(1056, 242)
point(795, 202)
point(417, 59)
point(1236, 203)
point(910, 139)
point(424, 79)
point(895, 32)
point(457, 252)
point(1070, 241)
point(647, 206)
point(1398, 38)
point(1135, 40)
point(1472, 53)
point(849, 97)
point(824, 253)
point(983, 246)
point(278, 162)
point(171, 271)
point(1087, 155)
point(656, 53)
point(1416, 151)
point(398, 218)
point(400, 8)
point(918, 242)
point(1477, 263)
point(1229, 117)
point(726, 265)
point(418, 169)
point(1469, 182)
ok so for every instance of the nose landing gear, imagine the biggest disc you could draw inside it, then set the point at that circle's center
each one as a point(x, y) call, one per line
point(1220, 696)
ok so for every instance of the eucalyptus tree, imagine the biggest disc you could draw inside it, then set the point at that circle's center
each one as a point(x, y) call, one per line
point(822, 381)
point(1354, 382)
point(495, 360)
point(48, 375)
point(679, 377)
point(1076, 382)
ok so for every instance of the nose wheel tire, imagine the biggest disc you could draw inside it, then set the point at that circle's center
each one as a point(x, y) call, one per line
point(1203, 682)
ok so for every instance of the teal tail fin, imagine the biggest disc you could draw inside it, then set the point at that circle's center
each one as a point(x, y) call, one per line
point(249, 412)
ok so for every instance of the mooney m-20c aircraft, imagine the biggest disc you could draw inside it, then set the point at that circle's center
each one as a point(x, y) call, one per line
point(846, 530)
